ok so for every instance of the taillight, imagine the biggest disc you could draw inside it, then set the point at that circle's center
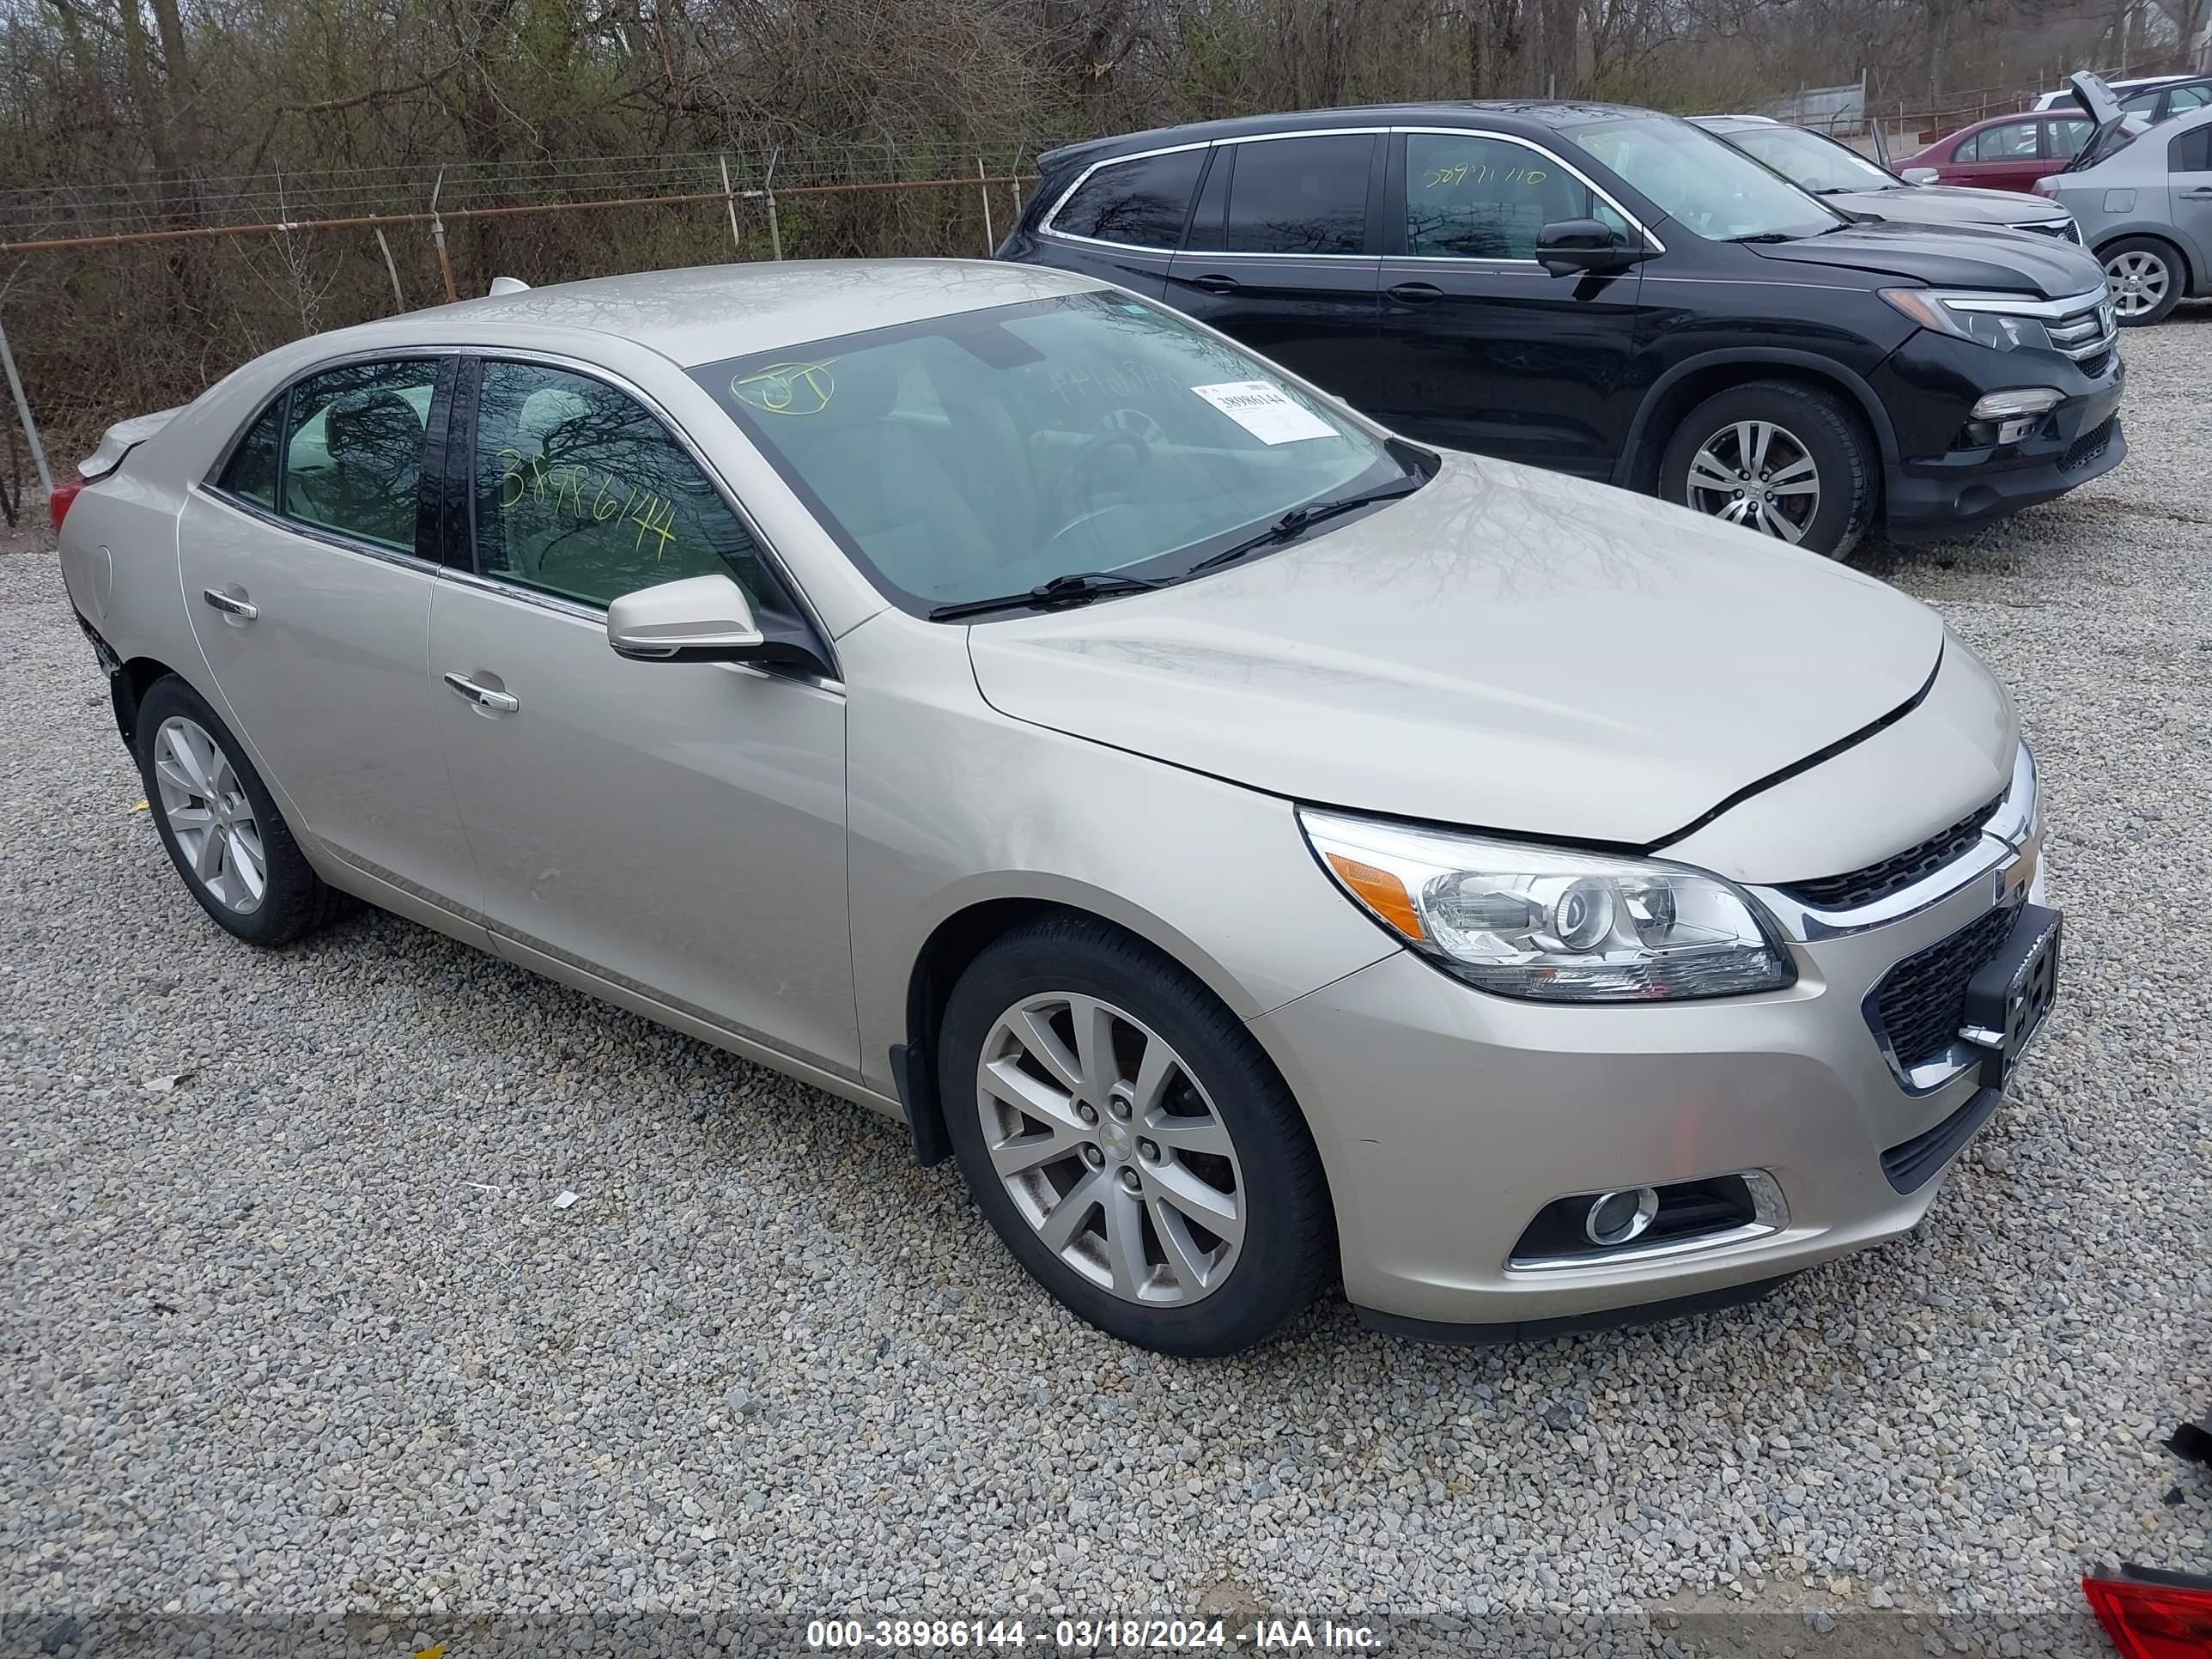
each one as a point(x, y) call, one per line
point(2157, 1616)
point(58, 499)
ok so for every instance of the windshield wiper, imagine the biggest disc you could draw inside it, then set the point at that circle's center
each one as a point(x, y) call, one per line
point(1077, 588)
point(1765, 236)
point(1299, 519)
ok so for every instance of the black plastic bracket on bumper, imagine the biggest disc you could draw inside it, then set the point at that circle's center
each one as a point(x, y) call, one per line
point(932, 1145)
point(1536, 1330)
point(1912, 1165)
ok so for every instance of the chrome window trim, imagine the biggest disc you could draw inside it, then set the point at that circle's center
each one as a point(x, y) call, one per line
point(1045, 227)
point(1770, 1215)
point(653, 406)
point(2007, 834)
point(337, 539)
point(1651, 241)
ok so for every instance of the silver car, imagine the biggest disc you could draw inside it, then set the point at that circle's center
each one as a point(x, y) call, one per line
point(2144, 203)
point(1264, 852)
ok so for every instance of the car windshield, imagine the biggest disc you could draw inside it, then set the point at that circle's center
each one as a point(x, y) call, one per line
point(1093, 434)
point(1710, 189)
point(1812, 163)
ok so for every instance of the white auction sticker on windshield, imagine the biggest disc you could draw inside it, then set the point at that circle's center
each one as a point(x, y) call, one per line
point(1266, 411)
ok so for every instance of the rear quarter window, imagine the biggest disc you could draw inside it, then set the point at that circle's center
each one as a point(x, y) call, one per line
point(2191, 152)
point(252, 474)
point(1136, 204)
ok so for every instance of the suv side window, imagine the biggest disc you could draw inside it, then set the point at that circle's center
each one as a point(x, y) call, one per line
point(2184, 99)
point(1140, 204)
point(580, 492)
point(1300, 195)
point(353, 449)
point(1476, 198)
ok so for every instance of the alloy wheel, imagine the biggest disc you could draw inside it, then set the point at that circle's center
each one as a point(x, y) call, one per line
point(2139, 281)
point(1759, 475)
point(1110, 1149)
point(210, 815)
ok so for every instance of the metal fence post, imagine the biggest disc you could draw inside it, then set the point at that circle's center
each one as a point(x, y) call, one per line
point(438, 235)
point(730, 201)
point(767, 189)
point(392, 269)
point(983, 190)
point(23, 414)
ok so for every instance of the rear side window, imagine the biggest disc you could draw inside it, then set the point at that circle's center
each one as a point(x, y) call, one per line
point(2191, 152)
point(1140, 204)
point(251, 473)
point(2067, 137)
point(2013, 142)
point(1300, 195)
point(582, 492)
point(1473, 197)
point(353, 449)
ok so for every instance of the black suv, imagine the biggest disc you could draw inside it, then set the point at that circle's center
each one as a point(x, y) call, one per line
point(1616, 293)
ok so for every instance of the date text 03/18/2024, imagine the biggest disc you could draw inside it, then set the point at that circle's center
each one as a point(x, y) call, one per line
point(1089, 1635)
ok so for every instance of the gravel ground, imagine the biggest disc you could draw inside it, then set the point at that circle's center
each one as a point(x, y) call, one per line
point(292, 1326)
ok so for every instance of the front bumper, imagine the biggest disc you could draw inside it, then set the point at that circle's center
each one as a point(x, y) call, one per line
point(1448, 1119)
point(1942, 483)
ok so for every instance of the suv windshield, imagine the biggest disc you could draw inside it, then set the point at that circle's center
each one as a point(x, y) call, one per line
point(1812, 163)
point(1708, 188)
point(992, 451)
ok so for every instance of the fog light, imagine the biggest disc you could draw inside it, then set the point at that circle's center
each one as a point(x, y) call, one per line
point(2020, 400)
point(2011, 432)
point(1619, 1217)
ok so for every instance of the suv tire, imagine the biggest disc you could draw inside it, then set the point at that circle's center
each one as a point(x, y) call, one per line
point(1779, 436)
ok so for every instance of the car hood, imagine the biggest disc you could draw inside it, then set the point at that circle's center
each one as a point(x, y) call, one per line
point(1948, 256)
point(1505, 649)
point(1947, 204)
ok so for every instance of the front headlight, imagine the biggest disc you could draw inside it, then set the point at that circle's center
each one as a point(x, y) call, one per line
point(1544, 922)
point(2003, 321)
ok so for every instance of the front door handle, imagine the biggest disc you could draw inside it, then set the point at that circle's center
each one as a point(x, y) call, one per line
point(228, 606)
point(497, 702)
point(2201, 193)
point(1213, 283)
point(1416, 293)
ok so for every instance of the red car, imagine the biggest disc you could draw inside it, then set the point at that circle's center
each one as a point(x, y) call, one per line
point(2009, 152)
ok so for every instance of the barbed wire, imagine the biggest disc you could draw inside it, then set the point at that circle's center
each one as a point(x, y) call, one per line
point(267, 200)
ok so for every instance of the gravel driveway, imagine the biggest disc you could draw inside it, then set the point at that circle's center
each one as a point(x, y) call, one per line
point(293, 1325)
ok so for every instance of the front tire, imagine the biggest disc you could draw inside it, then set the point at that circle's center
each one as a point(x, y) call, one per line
point(1129, 1141)
point(220, 824)
point(1776, 457)
point(2146, 276)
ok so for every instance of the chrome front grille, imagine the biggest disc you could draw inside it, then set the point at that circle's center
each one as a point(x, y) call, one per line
point(2087, 334)
point(2064, 230)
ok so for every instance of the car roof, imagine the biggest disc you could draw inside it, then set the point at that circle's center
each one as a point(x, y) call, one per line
point(705, 314)
point(1734, 122)
point(1526, 115)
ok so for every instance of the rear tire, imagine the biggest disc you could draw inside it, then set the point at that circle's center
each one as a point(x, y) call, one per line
point(1781, 458)
point(2146, 274)
point(1130, 1142)
point(220, 824)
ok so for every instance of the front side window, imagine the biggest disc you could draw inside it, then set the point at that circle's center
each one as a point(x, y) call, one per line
point(992, 451)
point(1475, 198)
point(353, 449)
point(2015, 141)
point(1300, 195)
point(580, 492)
point(1707, 186)
point(1140, 204)
point(2184, 99)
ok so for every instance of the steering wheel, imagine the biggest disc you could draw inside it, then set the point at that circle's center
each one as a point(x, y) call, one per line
point(1077, 485)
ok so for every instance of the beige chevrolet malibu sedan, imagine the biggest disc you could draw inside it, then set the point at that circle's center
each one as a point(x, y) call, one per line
point(1266, 854)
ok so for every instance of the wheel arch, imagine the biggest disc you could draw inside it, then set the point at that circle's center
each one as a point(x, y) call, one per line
point(1690, 382)
point(127, 688)
point(965, 932)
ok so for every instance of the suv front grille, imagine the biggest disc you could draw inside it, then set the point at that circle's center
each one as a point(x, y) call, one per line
point(1898, 871)
point(2087, 335)
point(2089, 445)
point(1921, 1003)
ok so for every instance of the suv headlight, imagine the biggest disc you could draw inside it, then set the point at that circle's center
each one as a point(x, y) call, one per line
point(2004, 321)
point(1526, 920)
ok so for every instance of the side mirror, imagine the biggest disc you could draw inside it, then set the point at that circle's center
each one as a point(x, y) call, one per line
point(1920, 175)
point(699, 619)
point(1568, 245)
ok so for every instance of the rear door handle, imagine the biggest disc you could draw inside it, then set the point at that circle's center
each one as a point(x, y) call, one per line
point(2201, 193)
point(497, 702)
point(1214, 284)
point(1415, 294)
point(228, 606)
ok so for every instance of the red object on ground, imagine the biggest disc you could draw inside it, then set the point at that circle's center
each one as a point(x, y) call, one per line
point(2166, 1616)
